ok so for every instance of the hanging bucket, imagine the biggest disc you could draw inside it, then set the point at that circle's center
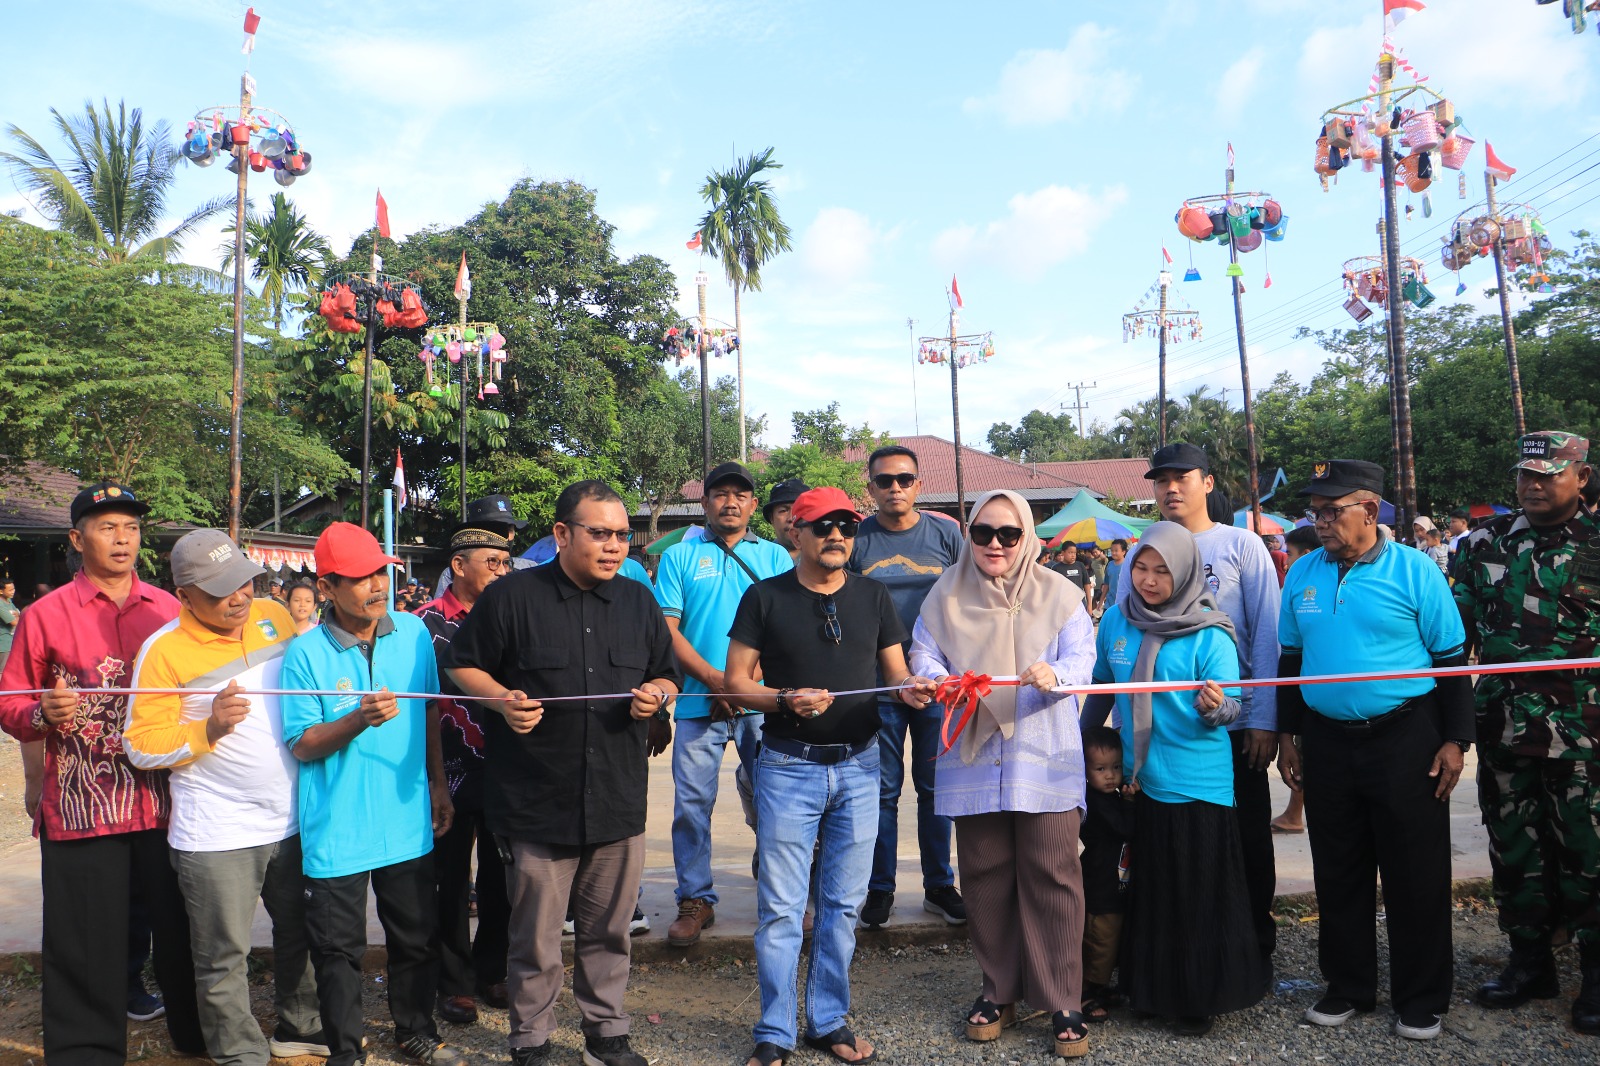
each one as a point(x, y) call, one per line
point(1421, 131)
point(1249, 242)
point(1276, 231)
point(1358, 310)
point(1454, 150)
point(1271, 212)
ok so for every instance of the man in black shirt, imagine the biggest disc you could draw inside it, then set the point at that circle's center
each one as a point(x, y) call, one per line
point(565, 786)
point(810, 632)
point(1070, 567)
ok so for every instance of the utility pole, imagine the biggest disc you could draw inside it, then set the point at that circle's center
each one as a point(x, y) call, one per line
point(1165, 281)
point(959, 350)
point(1505, 307)
point(955, 424)
point(911, 335)
point(1080, 405)
point(1165, 319)
point(1405, 475)
point(1244, 375)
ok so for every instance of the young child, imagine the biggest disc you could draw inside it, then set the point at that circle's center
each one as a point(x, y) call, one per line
point(1105, 835)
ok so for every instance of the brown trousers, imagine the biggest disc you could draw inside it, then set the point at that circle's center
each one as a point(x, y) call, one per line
point(603, 883)
point(1102, 935)
point(1024, 892)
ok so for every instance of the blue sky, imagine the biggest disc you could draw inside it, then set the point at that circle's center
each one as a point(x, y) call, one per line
point(1037, 150)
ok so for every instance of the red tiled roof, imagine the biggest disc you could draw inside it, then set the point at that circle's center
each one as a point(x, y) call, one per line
point(35, 495)
point(980, 471)
point(1122, 478)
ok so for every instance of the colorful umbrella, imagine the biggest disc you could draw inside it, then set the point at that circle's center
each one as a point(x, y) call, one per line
point(1270, 523)
point(667, 540)
point(1101, 531)
point(1484, 510)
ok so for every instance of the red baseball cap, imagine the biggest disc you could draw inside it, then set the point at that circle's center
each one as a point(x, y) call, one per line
point(819, 503)
point(349, 551)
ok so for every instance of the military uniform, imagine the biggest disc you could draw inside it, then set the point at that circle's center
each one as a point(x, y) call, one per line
point(1534, 594)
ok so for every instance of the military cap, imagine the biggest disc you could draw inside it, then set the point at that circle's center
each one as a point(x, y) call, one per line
point(1550, 451)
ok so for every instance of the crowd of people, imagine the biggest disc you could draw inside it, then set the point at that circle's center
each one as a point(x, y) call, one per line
point(1111, 848)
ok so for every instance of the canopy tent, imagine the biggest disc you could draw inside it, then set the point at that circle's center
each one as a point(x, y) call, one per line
point(1083, 507)
point(667, 540)
point(1270, 523)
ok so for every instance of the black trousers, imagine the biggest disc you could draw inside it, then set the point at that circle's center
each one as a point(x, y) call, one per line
point(86, 885)
point(1371, 810)
point(1252, 805)
point(465, 960)
point(336, 928)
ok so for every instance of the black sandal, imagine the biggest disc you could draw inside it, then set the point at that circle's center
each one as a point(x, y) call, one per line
point(1070, 1022)
point(841, 1035)
point(768, 1054)
point(995, 1018)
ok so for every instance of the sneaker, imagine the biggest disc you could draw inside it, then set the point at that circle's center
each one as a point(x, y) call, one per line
point(611, 1051)
point(693, 916)
point(1418, 1025)
point(1331, 1011)
point(638, 925)
point(947, 903)
point(288, 1044)
point(530, 1056)
point(431, 1051)
point(143, 1007)
point(568, 927)
point(876, 910)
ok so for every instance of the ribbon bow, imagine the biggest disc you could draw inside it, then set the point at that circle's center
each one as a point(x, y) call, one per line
point(969, 688)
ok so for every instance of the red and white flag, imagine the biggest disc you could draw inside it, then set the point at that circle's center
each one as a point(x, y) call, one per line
point(383, 217)
point(251, 21)
point(1395, 12)
point(1166, 254)
point(399, 482)
point(463, 280)
point(1230, 155)
point(1494, 166)
point(955, 294)
point(693, 243)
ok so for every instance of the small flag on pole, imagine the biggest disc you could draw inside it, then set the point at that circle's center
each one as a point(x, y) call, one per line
point(1395, 12)
point(251, 21)
point(955, 294)
point(383, 217)
point(463, 280)
point(399, 482)
point(1166, 254)
point(1494, 166)
point(1230, 155)
point(693, 243)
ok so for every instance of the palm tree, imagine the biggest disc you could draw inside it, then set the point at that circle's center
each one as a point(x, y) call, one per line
point(284, 253)
point(744, 230)
point(112, 190)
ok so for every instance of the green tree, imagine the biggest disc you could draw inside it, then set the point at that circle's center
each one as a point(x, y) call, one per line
point(659, 445)
point(743, 229)
point(112, 187)
point(1038, 438)
point(824, 429)
point(285, 254)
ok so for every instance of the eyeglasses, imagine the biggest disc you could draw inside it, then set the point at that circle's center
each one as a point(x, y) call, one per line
point(599, 534)
point(982, 535)
point(847, 527)
point(1330, 514)
point(884, 481)
point(830, 624)
point(494, 564)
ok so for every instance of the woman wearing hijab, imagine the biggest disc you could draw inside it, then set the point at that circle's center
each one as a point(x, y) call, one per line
point(1189, 949)
point(1014, 781)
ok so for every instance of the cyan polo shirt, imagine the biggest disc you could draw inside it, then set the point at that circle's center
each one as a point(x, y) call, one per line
point(366, 805)
point(1391, 610)
point(699, 585)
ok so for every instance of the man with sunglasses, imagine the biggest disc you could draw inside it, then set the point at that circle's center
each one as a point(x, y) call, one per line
point(698, 585)
point(796, 640)
point(565, 786)
point(1378, 759)
point(906, 549)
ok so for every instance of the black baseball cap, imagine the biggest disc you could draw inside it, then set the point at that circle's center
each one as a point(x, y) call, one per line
point(1340, 477)
point(105, 496)
point(1178, 456)
point(491, 510)
point(784, 492)
point(730, 472)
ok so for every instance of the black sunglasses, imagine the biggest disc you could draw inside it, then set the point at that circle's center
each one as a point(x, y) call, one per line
point(830, 624)
point(883, 481)
point(847, 527)
point(982, 535)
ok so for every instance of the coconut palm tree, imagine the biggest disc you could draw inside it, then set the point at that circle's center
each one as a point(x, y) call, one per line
point(285, 254)
point(743, 229)
point(112, 189)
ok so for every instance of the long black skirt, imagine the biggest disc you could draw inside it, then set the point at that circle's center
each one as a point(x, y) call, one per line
point(1189, 947)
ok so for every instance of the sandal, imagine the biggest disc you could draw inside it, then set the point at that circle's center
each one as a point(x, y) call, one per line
point(994, 1020)
point(1076, 1026)
point(768, 1054)
point(841, 1035)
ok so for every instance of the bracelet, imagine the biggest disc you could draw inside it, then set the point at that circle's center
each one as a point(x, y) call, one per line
point(782, 700)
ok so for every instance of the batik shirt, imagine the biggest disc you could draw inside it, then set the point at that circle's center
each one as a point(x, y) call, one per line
point(460, 724)
point(1534, 594)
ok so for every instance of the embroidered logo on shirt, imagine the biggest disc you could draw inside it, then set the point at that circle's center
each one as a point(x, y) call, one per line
point(345, 685)
point(268, 630)
point(1308, 602)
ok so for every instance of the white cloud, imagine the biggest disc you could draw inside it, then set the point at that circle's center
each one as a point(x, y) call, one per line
point(633, 219)
point(1237, 88)
point(1043, 228)
point(1040, 86)
point(838, 245)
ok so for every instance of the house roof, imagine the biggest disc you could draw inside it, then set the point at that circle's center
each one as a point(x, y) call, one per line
point(1122, 478)
point(36, 496)
point(980, 472)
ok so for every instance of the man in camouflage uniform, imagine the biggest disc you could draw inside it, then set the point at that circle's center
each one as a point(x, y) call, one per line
point(1530, 586)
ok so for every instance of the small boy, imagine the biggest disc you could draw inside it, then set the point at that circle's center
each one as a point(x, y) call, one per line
point(1105, 835)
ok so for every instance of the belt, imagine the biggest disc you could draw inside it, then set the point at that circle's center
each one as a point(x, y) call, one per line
point(1372, 727)
point(826, 754)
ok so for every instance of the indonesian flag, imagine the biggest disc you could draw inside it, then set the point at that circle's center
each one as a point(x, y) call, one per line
point(1395, 12)
point(1166, 254)
point(383, 217)
point(1494, 166)
point(463, 280)
point(1230, 155)
point(955, 294)
point(251, 21)
point(399, 482)
point(693, 243)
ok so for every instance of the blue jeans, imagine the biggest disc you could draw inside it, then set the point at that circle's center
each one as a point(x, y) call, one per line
point(697, 747)
point(798, 805)
point(933, 830)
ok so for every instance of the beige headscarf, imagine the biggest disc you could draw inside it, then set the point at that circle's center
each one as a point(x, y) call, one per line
point(998, 625)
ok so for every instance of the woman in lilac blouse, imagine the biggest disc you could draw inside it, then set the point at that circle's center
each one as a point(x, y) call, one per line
point(1014, 780)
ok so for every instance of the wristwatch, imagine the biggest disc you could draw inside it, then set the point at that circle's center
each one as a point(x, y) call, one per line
point(783, 701)
point(1464, 745)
